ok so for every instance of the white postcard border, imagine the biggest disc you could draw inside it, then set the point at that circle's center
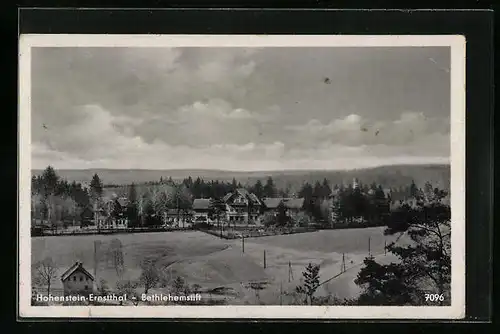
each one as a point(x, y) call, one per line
point(457, 162)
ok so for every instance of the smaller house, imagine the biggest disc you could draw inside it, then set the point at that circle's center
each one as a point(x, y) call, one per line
point(77, 281)
point(201, 208)
point(293, 205)
point(271, 204)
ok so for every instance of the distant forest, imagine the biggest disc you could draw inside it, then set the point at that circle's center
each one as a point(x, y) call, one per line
point(56, 199)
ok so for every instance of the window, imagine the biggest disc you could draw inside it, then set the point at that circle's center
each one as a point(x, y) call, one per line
point(74, 278)
point(86, 279)
point(86, 287)
point(81, 278)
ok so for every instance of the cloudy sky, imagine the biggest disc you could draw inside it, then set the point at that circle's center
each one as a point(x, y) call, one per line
point(239, 108)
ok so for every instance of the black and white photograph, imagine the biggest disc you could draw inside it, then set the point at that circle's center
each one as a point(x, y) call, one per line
point(270, 176)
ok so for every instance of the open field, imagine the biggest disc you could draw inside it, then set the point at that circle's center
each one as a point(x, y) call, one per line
point(212, 262)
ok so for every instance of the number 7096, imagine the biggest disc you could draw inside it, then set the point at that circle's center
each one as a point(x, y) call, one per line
point(434, 297)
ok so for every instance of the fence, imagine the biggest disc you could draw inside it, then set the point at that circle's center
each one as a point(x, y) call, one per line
point(240, 232)
point(37, 232)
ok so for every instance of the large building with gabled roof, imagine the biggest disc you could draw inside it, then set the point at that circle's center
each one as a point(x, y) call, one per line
point(242, 206)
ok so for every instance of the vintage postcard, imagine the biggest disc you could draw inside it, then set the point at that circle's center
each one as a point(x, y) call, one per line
point(216, 176)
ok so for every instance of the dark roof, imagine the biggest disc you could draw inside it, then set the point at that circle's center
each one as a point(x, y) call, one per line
point(201, 204)
point(272, 203)
point(77, 266)
point(294, 203)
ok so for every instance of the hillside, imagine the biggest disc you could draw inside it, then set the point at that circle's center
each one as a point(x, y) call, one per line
point(389, 176)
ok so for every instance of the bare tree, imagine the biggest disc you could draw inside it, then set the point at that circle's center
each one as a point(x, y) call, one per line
point(149, 276)
point(46, 272)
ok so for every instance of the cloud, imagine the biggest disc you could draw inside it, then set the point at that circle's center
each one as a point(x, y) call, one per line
point(97, 141)
point(410, 129)
point(238, 108)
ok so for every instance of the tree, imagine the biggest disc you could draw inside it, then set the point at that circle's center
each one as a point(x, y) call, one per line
point(49, 181)
point(317, 198)
point(258, 189)
point(95, 187)
point(311, 282)
point(302, 219)
point(428, 190)
point(179, 284)
point(234, 185)
point(149, 276)
point(306, 192)
point(282, 218)
point(413, 189)
point(96, 195)
point(325, 189)
point(268, 219)
point(102, 287)
point(385, 285)
point(269, 189)
point(381, 205)
point(325, 207)
point(132, 193)
point(217, 208)
point(424, 263)
point(127, 287)
point(46, 272)
point(180, 199)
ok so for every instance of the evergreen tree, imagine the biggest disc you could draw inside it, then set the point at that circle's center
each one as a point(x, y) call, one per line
point(270, 188)
point(258, 189)
point(132, 213)
point(413, 190)
point(326, 190)
point(49, 181)
point(96, 187)
point(306, 192)
point(282, 218)
point(311, 282)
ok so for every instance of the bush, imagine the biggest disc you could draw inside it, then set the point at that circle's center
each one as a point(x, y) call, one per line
point(302, 220)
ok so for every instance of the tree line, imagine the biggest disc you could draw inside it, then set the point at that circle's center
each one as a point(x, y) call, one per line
point(55, 199)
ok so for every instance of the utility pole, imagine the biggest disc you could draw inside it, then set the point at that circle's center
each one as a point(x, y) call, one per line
point(95, 259)
point(385, 247)
point(96, 221)
point(264, 259)
point(290, 272)
point(243, 243)
point(281, 293)
point(369, 249)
